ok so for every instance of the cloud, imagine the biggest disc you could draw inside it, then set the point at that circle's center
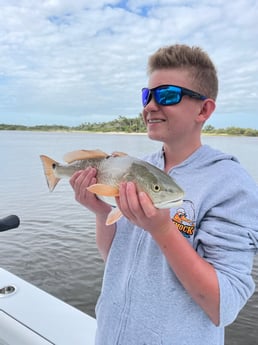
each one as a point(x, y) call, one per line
point(71, 62)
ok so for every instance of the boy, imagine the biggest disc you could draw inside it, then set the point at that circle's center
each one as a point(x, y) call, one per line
point(165, 283)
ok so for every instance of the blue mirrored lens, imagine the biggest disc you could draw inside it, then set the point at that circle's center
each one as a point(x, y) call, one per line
point(163, 95)
point(146, 93)
point(167, 95)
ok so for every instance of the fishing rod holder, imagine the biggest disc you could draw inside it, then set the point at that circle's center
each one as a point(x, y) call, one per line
point(7, 290)
point(9, 222)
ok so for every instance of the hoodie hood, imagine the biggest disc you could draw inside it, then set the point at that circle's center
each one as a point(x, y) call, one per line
point(203, 157)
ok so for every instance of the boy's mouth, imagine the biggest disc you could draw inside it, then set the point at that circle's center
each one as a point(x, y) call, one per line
point(155, 120)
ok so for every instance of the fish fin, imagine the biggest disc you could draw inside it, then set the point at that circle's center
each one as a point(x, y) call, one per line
point(83, 154)
point(52, 180)
point(118, 154)
point(103, 189)
point(114, 215)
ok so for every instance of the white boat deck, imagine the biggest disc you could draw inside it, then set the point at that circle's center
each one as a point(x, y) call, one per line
point(30, 316)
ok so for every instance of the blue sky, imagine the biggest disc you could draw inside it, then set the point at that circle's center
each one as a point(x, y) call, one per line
point(69, 62)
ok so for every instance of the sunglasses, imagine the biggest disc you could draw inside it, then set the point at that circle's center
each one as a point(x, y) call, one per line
point(168, 94)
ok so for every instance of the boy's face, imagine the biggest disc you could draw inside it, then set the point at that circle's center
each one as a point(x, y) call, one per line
point(179, 121)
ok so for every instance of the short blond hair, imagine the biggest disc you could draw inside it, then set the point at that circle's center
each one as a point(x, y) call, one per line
point(193, 59)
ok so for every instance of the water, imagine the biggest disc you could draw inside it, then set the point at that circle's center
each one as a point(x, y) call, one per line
point(54, 247)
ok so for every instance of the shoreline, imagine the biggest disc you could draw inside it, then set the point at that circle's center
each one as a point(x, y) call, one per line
point(71, 131)
point(116, 133)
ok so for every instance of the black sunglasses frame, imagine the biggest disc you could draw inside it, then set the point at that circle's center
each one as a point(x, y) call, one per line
point(183, 92)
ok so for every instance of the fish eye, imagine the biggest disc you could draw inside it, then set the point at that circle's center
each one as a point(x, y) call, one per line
point(156, 187)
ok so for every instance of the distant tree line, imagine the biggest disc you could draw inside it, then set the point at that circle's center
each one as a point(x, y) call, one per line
point(122, 124)
point(249, 132)
point(126, 125)
point(33, 128)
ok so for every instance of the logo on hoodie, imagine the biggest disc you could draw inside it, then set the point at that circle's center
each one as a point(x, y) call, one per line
point(184, 220)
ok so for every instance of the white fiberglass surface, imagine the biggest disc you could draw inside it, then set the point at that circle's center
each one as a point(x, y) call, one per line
point(13, 332)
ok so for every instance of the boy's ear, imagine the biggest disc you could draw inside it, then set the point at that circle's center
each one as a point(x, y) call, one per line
point(206, 110)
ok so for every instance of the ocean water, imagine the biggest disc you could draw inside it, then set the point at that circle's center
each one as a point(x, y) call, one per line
point(54, 247)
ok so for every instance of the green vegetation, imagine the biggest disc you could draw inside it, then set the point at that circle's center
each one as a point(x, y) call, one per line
point(126, 125)
point(33, 128)
point(249, 132)
point(122, 124)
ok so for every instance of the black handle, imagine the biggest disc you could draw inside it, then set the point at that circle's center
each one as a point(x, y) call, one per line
point(9, 222)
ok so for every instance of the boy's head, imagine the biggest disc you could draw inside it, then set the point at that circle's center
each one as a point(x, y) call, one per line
point(199, 65)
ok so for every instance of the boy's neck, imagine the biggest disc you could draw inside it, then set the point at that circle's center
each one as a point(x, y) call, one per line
point(174, 155)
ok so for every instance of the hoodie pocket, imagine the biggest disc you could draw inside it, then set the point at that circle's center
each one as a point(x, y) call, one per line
point(136, 332)
point(116, 328)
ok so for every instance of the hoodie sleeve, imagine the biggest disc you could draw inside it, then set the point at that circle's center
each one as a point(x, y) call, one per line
point(228, 238)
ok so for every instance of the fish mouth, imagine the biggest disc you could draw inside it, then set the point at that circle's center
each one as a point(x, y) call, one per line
point(169, 203)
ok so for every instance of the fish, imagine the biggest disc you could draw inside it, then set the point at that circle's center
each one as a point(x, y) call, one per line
point(112, 170)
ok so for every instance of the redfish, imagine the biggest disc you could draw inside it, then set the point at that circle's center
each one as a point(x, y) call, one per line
point(111, 171)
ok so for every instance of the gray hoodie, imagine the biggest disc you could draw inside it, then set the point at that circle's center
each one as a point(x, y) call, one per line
point(142, 302)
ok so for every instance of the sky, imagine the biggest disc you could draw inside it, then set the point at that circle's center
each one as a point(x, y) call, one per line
point(71, 62)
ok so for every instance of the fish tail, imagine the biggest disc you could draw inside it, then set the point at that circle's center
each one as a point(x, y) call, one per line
point(48, 166)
